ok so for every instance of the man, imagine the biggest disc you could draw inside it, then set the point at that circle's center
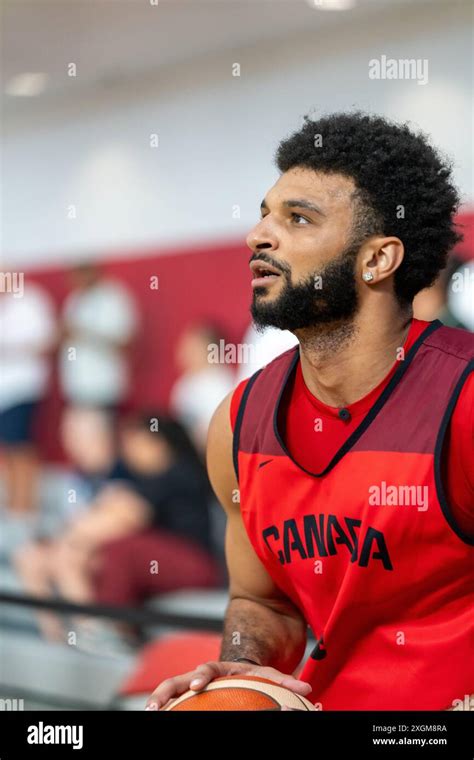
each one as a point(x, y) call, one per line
point(99, 323)
point(27, 336)
point(351, 453)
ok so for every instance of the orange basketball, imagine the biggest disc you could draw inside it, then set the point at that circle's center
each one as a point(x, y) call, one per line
point(240, 693)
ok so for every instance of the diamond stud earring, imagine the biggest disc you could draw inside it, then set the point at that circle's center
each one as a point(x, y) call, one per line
point(367, 276)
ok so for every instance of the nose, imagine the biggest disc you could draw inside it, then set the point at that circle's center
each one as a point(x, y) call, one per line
point(262, 238)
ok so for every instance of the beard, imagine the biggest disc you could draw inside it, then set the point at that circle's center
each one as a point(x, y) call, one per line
point(324, 297)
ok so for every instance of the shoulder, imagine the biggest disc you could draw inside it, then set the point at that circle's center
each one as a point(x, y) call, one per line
point(219, 457)
point(452, 340)
point(238, 392)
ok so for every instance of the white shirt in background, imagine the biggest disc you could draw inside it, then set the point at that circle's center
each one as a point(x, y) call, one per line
point(27, 331)
point(461, 295)
point(96, 372)
point(266, 347)
point(195, 397)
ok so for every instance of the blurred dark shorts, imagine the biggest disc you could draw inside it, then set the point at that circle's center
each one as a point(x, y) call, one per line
point(16, 423)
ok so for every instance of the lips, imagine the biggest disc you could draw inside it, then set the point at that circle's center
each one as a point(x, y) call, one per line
point(263, 274)
point(261, 269)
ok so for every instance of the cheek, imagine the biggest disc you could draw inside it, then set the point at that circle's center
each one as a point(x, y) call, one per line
point(312, 252)
point(307, 256)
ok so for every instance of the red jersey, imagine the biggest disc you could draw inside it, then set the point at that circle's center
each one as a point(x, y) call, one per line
point(362, 538)
point(302, 415)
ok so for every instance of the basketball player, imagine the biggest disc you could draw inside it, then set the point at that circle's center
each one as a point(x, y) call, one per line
point(345, 465)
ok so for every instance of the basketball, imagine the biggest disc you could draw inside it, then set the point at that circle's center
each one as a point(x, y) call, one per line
point(240, 693)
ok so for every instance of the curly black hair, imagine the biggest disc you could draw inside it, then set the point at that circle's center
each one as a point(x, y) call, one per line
point(393, 168)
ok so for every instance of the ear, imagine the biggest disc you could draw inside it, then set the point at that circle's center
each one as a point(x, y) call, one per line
point(381, 256)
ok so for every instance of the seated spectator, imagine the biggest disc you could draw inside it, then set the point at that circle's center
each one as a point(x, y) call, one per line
point(136, 568)
point(168, 476)
point(202, 385)
point(168, 491)
point(88, 437)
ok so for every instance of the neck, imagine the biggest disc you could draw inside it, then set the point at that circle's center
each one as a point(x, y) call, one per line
point(342, 362)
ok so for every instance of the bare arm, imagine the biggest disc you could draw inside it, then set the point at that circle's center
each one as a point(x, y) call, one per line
point(261, 623)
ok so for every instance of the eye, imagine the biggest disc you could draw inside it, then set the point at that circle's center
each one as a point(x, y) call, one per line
point(296, 217)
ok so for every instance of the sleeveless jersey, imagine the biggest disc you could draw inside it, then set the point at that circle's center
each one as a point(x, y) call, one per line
point(368, 549)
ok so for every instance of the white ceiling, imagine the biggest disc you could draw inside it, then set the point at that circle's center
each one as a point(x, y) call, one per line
point(112, 41)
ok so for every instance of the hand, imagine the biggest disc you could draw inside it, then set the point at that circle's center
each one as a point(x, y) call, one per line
point(199, 678)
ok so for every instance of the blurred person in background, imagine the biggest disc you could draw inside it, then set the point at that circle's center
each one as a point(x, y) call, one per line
point(99, 322)
point(263, 345)
point(171, 479)
point(451, 297)
point(89, 441)
point(168, 493)
point(27, 335)
point(461, 295)
point(202, 384)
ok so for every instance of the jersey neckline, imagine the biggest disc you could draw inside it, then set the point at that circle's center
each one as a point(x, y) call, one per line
point(369, 416)
point(361, 406)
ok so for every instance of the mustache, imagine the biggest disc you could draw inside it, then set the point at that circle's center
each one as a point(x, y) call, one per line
point(284, 268)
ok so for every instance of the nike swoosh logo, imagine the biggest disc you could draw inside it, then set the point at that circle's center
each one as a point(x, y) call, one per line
point(262, 464)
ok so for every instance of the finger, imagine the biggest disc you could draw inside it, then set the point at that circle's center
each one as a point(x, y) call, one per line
point(168, 689)
point(288, 682)
point(205, 673)
point(174, 687)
